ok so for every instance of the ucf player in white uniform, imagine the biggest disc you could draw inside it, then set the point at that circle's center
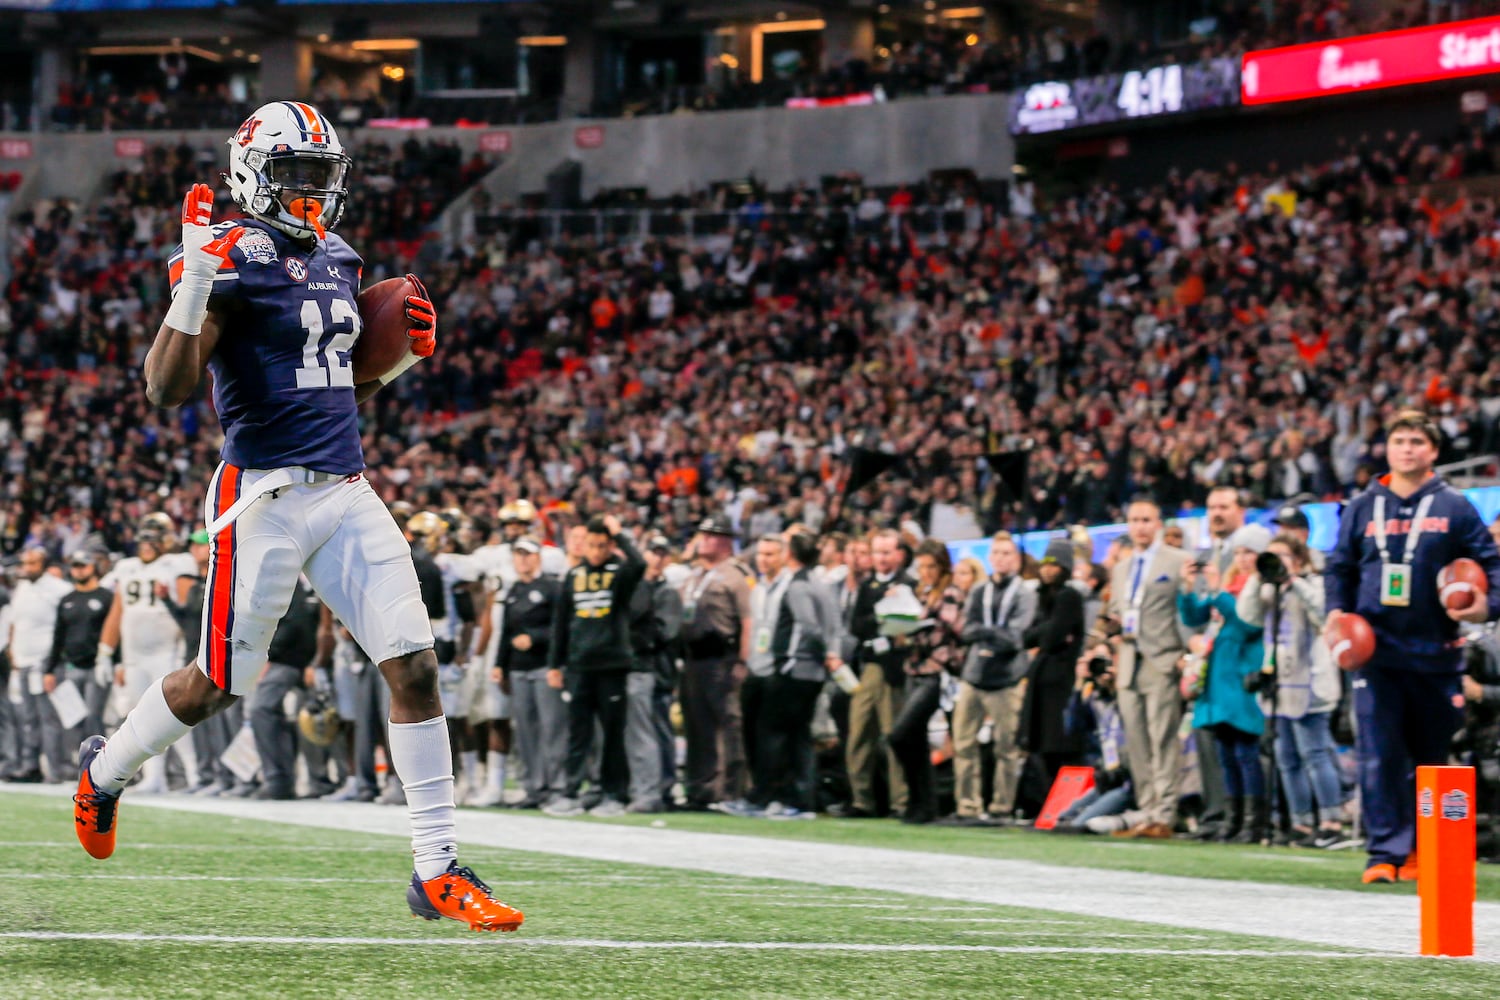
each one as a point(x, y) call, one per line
point(497, 566)
point(143, 629)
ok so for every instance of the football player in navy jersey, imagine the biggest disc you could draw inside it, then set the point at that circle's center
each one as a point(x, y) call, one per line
point(267, 304)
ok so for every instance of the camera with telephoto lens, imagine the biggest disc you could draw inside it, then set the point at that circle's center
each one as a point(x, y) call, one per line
point(1271, 569)
point(1257, 682)
point(1099, 666)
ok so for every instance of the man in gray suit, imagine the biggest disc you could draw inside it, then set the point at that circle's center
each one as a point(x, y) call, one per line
point(1149, 651)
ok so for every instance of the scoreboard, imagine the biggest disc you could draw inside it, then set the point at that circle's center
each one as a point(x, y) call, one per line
point(1152, 92)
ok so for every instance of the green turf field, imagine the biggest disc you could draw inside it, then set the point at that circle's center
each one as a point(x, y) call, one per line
point(201, 906)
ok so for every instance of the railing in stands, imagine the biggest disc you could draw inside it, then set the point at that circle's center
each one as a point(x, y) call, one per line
point(927, 223)
point(1460, 474)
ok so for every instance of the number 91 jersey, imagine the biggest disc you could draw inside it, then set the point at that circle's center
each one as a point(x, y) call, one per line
point(283, 381)
point(147, 628)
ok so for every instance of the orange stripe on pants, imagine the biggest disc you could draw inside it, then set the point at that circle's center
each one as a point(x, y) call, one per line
point(221, 584)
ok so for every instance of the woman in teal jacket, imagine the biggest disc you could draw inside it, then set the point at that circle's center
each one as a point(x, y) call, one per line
point(1225, 707)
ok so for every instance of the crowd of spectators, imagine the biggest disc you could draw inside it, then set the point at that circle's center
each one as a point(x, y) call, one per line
point(1223, 329)
point(1220, 329)
point(101, 104)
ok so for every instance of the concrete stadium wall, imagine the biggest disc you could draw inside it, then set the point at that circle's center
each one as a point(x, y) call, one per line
point(74, 164)
point(887, 143)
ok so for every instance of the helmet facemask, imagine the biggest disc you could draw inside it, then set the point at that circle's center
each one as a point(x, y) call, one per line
point(300, 187)
point(283, 179)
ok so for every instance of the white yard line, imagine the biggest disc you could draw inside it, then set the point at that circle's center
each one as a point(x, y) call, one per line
point(1363, 920)
point(12, 876)
point(1301, 859)
point(215, 848)
point(1083, 925)
point(793, 895)
point(1073, 935)
point(289, 879)
point(908, 907)
point(508, 941)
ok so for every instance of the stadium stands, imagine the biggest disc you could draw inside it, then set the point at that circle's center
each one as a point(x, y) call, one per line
point(1220, 329)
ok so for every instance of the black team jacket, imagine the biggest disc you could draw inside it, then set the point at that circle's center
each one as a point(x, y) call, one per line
point(591, 623)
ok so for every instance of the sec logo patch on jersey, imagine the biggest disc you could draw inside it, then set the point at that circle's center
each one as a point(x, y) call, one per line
point(295, 269)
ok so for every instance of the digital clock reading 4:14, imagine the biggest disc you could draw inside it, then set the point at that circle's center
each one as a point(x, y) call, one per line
point(1156, 91)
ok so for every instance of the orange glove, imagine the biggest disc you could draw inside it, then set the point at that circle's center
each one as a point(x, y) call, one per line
point(202, 256)
point(423, 319)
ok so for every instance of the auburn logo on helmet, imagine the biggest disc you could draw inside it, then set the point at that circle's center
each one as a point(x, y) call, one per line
point(247, 131)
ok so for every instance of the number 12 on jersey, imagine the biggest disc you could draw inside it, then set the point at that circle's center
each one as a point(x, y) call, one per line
point(334, 370)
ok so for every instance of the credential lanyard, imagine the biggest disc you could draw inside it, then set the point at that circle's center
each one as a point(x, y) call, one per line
point(1006, 599)
point(1412, 538)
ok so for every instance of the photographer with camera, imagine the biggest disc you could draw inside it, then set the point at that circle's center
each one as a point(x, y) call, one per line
point(1225, 706)
point(1298, 687)
point(1093, 716)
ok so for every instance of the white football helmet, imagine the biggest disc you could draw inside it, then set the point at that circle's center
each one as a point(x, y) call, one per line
point(288, 146)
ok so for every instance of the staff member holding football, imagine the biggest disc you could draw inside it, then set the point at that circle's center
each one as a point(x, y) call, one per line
point(1393, 540)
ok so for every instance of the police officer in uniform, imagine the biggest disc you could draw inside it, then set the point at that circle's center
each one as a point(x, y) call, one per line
point(716, 612)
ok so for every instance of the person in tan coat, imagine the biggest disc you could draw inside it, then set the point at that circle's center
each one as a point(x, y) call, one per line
point(1148, 657)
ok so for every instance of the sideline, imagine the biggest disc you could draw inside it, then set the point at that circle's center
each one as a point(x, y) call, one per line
point(1365, 921)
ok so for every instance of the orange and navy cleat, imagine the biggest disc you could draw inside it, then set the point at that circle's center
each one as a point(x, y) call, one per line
point(1408, 871)
point(1379, 875)
point(93, 810)
point(458, 894)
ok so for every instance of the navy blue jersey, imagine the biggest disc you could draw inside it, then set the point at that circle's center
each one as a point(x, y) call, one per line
point(283, 382)
point(1420, 636)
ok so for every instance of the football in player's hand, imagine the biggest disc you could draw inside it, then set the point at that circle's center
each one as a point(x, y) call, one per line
point(1461, 583)
point(383, 343)
point(1352, 641)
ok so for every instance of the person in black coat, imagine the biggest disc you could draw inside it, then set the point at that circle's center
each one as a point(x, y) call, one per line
point(1056, 637)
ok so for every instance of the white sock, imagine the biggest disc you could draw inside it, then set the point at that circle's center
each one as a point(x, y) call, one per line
point(470, 759)
point(423, 758)
point(146, 732)
point(495, 769)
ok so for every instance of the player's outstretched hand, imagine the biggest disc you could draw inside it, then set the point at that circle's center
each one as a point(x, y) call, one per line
point(197, 214)
point(201, 253)
point(423, 319)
